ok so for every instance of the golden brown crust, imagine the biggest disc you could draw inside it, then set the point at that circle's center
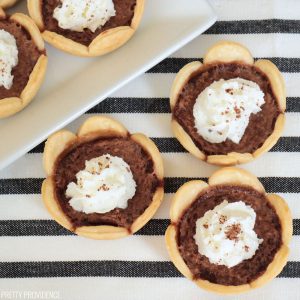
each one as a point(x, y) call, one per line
point(35, 10)
point(276, 80)
point(147, 215)
point(7, 3)
point(102, 126)
point(10, 106)
point(54, 146)
point(105, 42)
point(52, 205)
point(181, 79)
point(236, 176)
point(273, 138)
point(152, 150)
point(2, 13)
point(170, 238)
point(98, 126)
point(31, 28)
point(102, 232)
point(186, 141)
point(190, 191)
point(225, 51)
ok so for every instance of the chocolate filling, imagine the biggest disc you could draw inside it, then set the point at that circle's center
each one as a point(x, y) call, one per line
point(28, 56)
point(267, 227)
point(261, 125)
point(72, 160)
point(124, 15)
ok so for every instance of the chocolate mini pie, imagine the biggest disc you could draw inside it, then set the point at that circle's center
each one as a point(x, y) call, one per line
point(87, 27)
point(7, 3)
point(23, 62)
point(228, 236)
point(103, 183)
point(230, 109)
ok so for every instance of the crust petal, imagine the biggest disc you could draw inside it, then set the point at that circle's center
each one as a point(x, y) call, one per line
point(7, 3)
point(36, 78)
point(230, 159)
point(102, 232)
point(51, 204)
point(274, 268)
point(176, 258)
point(226, 51)
point(149, 212)
point(273, 138)
point(231, 175)
point(151, 148)
point(276, 79)
point(110, 40)
point(35, 12)
point(285, 217)
point(102, 126)
point(64, 44)
point(181, 79)
point(2, 13)
point(31, 27)
point(54, 146)
point(186, 141)
point(184, 197)
point(105, 42)
point(10, 106)
point(222, 289)
point(138, 14)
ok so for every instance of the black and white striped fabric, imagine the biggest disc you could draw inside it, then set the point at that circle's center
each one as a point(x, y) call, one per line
point(38, 256)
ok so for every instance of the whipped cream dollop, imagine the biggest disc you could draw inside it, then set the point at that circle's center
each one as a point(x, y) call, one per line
point(225, 235)
point(106, 183)
point(222, 111)
point(84, 14)
point(8, 58)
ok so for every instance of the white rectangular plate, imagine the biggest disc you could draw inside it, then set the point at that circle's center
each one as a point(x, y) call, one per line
point(73, 84)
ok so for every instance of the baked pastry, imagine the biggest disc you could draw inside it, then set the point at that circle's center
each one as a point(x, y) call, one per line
point(23, 62)
point(88, 28)
point(228, 110)
point(7, 3)
point(228, 236)
point(103, 183)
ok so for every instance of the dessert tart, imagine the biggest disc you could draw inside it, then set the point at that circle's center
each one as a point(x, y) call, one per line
point(228, 236)
point(230, 109)
point(103, 183)
point(23, 62)
point(88, 28)
point(7, 3)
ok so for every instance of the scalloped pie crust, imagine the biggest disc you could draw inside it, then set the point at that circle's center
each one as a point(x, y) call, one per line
point(92, 128)
point(226, 52)
point(12, 105)
point(105, 42)
point(189, 192)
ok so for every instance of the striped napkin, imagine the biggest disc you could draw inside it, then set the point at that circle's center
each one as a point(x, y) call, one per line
point(41, 260)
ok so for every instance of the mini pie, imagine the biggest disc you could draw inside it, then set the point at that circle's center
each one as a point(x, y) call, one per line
point(32, 63)
point(112, 35)
point(225, 62)
point(7, 3)
point(273, 224)
point(65, 155)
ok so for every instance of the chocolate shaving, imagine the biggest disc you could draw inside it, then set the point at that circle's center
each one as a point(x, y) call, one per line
point(222, 219)
point(232, 232)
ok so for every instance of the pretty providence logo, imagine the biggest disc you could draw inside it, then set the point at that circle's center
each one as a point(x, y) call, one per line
point(37, 295)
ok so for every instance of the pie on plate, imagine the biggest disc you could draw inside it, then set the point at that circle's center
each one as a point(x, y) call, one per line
point(90, 28)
